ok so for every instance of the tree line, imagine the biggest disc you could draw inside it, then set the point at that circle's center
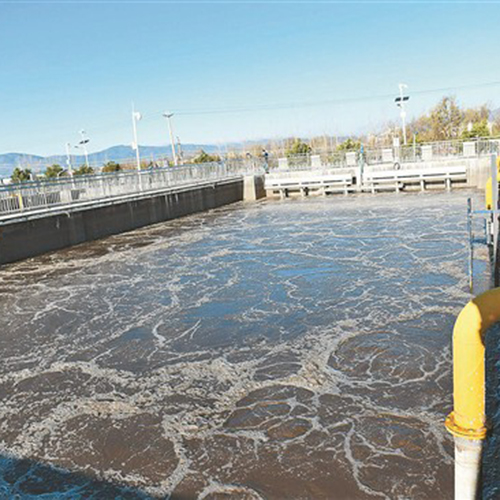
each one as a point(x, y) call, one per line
point(447, 120)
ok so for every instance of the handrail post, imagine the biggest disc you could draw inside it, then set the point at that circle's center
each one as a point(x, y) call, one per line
point(467, 422)
point(20, 200)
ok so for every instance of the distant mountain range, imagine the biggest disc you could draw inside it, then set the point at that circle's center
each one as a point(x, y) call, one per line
point(9, 161)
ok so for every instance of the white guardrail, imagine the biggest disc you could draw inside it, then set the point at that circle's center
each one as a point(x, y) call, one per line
point(48, 195)
point(412, 153)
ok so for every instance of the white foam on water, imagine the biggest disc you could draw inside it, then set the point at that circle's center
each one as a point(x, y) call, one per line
point(299, 342)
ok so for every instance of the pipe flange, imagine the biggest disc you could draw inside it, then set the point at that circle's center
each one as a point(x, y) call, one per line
point(458, 431)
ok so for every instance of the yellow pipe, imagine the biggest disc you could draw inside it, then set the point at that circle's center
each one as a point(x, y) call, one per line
point(468, 417)
point(489, 194)
point(489, 190)
point(20, 199)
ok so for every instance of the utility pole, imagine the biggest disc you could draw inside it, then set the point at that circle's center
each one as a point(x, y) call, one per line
point(168, 116)
point(400, 102)
point(136, 116)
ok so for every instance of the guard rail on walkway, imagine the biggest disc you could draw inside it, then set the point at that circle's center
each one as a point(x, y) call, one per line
point(325, 181)
point(412, 153)
point(399, 179)
point(28, 197)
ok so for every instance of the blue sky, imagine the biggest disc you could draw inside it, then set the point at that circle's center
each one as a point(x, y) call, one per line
point(70, 65)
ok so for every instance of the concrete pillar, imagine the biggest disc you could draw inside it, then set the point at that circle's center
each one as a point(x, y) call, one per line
point(469, 149)
point(427, 152)
point(359, 176)
point(253, 187)
point(66, 196)
point(351, 158)
point(478, 171)
point(316, 161)
point(387, 156)
point(282, 163)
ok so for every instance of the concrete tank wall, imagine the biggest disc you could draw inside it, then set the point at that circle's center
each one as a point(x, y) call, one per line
point(28, 238)
point(478, 168)
point(478, 171)
point(253, 187)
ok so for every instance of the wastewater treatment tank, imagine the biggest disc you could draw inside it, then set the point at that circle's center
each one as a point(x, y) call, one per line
point(297, 349)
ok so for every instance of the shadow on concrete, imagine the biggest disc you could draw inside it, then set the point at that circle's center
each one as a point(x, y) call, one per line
point(28, 479)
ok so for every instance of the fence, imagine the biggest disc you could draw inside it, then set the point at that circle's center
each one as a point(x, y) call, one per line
point(402, 154)
point(46, 195)
point(326, 157)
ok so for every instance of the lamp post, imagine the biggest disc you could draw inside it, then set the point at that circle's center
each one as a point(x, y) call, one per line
point(168, 116)
point(83, 144)
point(179, 149)
point(136, 116)
point(400, 102)
point(68, 159)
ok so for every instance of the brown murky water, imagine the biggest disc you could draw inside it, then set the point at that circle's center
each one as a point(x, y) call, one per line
point(275, 350)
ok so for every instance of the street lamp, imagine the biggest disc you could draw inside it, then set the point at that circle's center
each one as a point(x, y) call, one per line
point(68, 159)
point(168, 116)
point(83, 144)
point(400, 102)
point(179, 150)
point(136, 116)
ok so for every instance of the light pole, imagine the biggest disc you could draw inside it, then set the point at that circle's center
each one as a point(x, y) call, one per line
point(68, 159)
point(179, 149)
point(400, 102)
point(83, 143)
point(136, 116)
point(168, 116)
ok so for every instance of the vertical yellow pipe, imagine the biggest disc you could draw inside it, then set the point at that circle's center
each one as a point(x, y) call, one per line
point(468, 417)
point(489, 190)
point(467, 422)
point(20, 199)
point(488, 194)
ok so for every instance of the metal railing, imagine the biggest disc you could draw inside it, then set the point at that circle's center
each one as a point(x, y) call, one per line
point(47, 195)
point(412, 153)
point(327, 157)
